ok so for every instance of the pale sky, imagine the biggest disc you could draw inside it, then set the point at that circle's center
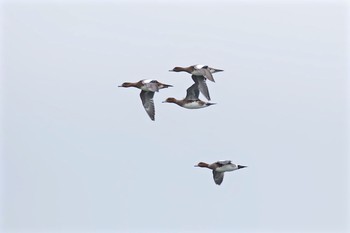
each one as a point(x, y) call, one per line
point(80, 154)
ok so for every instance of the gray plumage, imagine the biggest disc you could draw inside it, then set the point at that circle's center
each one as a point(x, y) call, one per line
point(206, 73)
point(192, 92)
point(147, 102)
point(152, 86)
point(202, 85)
point(218, 177)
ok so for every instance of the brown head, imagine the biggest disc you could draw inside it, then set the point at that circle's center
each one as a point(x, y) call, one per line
point(177, 69)
point(127, 85)
point(170, 100)
point(186, 69)
point(202, 164)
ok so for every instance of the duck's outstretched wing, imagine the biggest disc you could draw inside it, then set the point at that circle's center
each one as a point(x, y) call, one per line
point(202, 85)
point(192, 92)
point(206, 73)
point(218, 177)
point(147, 102)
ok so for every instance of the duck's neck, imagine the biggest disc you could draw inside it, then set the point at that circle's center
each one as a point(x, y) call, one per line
point(185, 69)
point(131, 85)
point(202, 164)
point(179, 102)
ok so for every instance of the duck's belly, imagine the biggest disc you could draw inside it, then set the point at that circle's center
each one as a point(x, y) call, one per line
point(193, 105)
point(225, 168)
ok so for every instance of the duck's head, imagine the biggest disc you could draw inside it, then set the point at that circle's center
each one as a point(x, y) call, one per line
point(126, 85)
point(177, 69)
point(170, 100)
point(201, 164)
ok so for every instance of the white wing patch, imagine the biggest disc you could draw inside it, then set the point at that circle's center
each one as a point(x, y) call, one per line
point(198, 66)
point(147, 80)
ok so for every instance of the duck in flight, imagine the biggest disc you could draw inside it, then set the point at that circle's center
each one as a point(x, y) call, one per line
point(200, 73)
point(191, 100)
point(198, 70)
point(148, 88)
point(219, 168)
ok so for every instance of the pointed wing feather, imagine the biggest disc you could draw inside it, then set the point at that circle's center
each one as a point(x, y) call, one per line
point(202, 85)
point(208, 75)
point(204, 72)
point(147, 102)
point(218, 177)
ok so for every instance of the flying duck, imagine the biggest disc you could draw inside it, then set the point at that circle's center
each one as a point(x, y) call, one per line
point(191, 100)
point(148, 88)
point(198, 70)
point(219, 168)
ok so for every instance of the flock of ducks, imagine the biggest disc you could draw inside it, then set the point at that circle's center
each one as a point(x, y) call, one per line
point(199, 74)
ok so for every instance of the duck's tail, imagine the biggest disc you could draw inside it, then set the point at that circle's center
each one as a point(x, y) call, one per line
point(216, 70)
point(165, 86)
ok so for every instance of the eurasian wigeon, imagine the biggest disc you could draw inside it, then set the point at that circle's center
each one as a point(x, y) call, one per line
point(219, 168)
point(148, 88)
point(191, 100)
point(198, 70)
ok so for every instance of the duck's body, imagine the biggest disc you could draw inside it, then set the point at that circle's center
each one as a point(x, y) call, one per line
point(148, 88)
point(191, 100)
point(189, 104)
point(219, 168)
point(147, 85)
point(198, 70)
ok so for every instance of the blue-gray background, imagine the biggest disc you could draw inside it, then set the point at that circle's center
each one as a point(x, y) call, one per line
point(80, 154)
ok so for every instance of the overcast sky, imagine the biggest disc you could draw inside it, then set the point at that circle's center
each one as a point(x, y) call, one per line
point(80, 154)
